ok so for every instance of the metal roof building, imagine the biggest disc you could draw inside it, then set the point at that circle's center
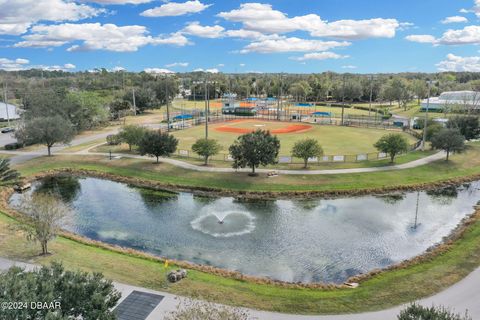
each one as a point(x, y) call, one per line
point(8, 111)
point(462, 100)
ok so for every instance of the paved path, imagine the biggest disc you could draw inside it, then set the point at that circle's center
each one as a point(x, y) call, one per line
point(21, 156)
point(465, 295)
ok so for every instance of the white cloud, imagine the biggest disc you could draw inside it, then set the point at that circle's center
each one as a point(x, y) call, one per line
point(95, 36)
point(173, 9)
point(158, 71)
point(358, 29)
point(118, 69)
point(349, 67)
point(458, 64)
point(242, 65)
point(109, 2)
point(213, 70)
point(249, 34)
point(13, 65)
point(65, 67)
point(195, 29)
point(454, 19)
point(24, 64)
point(421, 38)
point(292, 45)
point(17, 16)
point(220, 65)
point(319, 56)
point(177, 64)
point(467, 35)
point(264, 19)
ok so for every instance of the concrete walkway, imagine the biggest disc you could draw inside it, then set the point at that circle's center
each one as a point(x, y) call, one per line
point(465, 295)
point(19, 157)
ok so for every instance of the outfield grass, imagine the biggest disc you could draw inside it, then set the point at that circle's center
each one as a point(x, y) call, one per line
point(335, 140)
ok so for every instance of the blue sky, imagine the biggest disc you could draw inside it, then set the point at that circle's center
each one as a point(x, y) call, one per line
point(363, 36)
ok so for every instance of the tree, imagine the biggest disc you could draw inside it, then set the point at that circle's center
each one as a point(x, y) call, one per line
point(145, 98)
point(433, 129)
point(45, 215)
point(132, 135)
point(206, 148)
point(468, 126)
point(118, 108)
point(47, 131)
point(418, 312)
point(8, 176)
point(306, 149)
point(254, 149)
point(420, 89)
point(157, 144)
point(392, 144)
point(449, 140)
point(77, 295)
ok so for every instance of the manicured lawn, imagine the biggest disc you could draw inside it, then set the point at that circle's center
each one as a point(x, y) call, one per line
point(335, 140)
point(219, 160)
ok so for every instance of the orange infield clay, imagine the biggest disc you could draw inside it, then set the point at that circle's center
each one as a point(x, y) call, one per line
point(288, 128)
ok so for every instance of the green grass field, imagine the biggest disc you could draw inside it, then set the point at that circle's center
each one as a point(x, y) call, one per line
point(335, 140)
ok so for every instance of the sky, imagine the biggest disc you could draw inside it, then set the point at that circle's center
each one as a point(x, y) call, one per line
point(301, 36)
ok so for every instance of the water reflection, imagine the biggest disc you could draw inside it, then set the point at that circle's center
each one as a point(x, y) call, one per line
point(66, 187)
point(309, 240)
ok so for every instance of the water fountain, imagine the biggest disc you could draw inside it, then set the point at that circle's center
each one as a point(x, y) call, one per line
point(224, 224)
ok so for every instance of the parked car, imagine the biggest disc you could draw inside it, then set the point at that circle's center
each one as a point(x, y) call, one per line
point(7, 130)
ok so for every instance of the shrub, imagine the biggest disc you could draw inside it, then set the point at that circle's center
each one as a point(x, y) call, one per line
point(13, 146)
point(114, 140)
point(196, 310)
point(417, 312)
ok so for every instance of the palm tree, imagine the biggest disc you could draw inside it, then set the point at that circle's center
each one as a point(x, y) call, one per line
point(7, 176)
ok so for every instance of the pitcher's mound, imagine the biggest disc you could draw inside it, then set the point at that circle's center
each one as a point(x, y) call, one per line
point(246, 126)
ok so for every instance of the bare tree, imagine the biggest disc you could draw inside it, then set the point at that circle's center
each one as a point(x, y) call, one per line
point(45, 215)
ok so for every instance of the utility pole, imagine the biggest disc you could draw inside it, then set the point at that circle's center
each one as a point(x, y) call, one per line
point(424, 140)
point(134, 104)
point(371, 97)
point(343, 99)
point(207, 106)
point(5, 96)
point(167, 101)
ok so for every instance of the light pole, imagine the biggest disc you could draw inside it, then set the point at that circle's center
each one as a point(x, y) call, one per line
point(424, 140)
point(5, 93)
point(343, 99)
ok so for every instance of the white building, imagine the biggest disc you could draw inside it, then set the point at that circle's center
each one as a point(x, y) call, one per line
point(8, 111)
point(460, 100)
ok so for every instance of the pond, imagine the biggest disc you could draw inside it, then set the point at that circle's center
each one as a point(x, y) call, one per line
point(312, 240)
